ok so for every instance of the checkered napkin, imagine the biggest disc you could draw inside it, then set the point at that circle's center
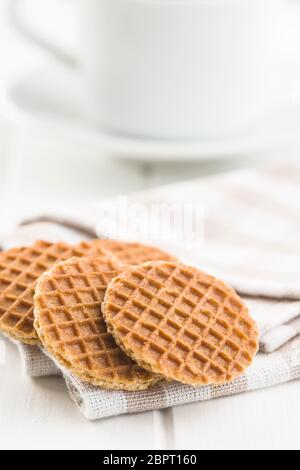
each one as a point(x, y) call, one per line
point(250, 238)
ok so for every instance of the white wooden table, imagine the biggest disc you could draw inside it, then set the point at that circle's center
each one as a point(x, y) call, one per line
point(36, 174)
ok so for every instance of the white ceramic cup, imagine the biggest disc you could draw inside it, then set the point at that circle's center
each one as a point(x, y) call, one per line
point(177, 69)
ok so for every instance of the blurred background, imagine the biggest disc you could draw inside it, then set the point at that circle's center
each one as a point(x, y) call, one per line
point(52, 154)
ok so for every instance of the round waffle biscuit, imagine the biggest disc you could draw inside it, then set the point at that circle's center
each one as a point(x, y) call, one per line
point(181, 323)
point(71, 327)
point(130, 253)
point(19, 270)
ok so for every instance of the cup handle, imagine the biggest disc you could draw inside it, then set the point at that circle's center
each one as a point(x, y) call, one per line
point(16, 19)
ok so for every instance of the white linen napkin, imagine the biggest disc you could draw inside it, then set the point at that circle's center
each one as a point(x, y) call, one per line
point(267, 370)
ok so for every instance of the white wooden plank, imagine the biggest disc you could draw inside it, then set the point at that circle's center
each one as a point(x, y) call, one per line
point(265, 419)
point(163, 429)
point(38, 413)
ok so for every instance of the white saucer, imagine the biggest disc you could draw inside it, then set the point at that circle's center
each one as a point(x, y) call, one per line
point(51, 97)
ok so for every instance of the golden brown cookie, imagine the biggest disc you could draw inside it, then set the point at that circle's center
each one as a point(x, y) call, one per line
point(130, 253)
point(19, 271)
point(69, 322)
point(179, 322)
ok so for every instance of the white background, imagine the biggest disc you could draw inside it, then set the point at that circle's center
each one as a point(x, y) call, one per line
point(37, 173)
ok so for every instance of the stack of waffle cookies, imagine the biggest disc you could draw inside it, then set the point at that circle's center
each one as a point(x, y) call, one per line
point(123, 316)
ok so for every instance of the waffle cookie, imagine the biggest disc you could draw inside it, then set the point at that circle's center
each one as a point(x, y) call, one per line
point(19, 271)
point(71, 327)
point(181, 323)
point(133, 253)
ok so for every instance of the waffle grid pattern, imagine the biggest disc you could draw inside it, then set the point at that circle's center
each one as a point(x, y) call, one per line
point(181, 323)
point(19, 270)
point(71, 325)
point(134, 253)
